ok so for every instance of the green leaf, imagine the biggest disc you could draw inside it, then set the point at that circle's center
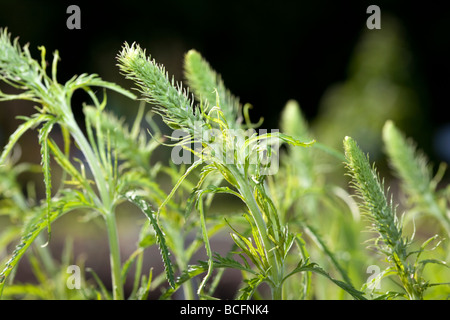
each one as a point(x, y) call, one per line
point(21, 129)
point(191, 272)
point(250, 288)
point(68, 167)
point(225, 262)
point(92, 80)
point(34, 227)
point(97, 279)
point(313, 267)
point(180, 181)
point(322, 245)
point(127, 265)
point(256, 255)
point(160, 236)
point(207, 246)
point(45, 162)
point(144, 290)
point(211, 189)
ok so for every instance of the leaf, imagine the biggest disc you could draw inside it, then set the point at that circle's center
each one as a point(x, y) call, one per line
point(30, 291)
point(100, 284)
point(423, 263)
point(177, 185)
point(211, 189)
point(143, 291)
point(191, 272)
point(126, 266)
point(21, 129)
point(322, 245)
point(196, 192)
point(225, 262)
point(207, 246)
point(34, 228)
point(250, 288)
point(160, 236)
point(313, 267)
point(45, 162)
point(84, 80)
point(275, 137)
point(257, 257)
point(67, 166)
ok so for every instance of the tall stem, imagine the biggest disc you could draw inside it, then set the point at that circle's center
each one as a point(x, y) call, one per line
point(92, 160)
point(107, 207)
point(247, 193)
point(114, 255)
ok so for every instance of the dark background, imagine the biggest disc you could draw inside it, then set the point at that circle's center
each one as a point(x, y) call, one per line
point(267, 51)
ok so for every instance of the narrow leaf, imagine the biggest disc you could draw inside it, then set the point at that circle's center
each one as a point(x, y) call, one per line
point(21, 129)
point(33, 229)
point(191, 272)
point(45, 162)
point(160, 236)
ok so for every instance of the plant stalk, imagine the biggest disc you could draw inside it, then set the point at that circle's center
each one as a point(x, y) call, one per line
point(92, 160)
point(247, 193)
point(114, 255)
point(106, 207)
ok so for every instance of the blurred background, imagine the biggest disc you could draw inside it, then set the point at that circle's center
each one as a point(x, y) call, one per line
point(319, 53)
point(347, 79)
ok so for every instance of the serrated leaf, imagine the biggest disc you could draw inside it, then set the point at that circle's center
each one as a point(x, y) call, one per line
point(191, 272)
point(314, 267)
point(225, 262)
point(250, 288)
point(160, 236)
point(45, 163)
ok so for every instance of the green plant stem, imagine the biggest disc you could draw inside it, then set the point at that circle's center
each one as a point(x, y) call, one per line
point(92, 160)
point(188, 291)
point(247, 193)
point(183, 263)
point(114, 255)
point(277, 292)
point(106, 207)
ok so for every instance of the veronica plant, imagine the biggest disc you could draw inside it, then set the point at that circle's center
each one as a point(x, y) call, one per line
point(415, 173)
point(53, 108)
point(391, 240)
point(217, 111)
point(221, 147)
